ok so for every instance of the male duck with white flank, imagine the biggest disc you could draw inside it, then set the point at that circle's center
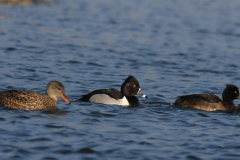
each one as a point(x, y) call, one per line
point(112, 96)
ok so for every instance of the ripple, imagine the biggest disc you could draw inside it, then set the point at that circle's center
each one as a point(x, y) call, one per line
point(95, 64)
point(203, 115)
point(40, 139)
point(23, 117)
point(99, 114)
point(23, 151)
point(145, 143)
point(41, 148)
point(191, 157)
point(10, 49)
point(49, 158)
point(86, 151)
point(53, 126)
point(64, 151)
point(74, 62)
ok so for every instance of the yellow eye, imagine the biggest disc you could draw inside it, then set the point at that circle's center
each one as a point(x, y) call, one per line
point(134, 85)
point(235, 91)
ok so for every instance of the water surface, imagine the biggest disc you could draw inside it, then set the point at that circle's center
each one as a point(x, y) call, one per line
point(171, 47)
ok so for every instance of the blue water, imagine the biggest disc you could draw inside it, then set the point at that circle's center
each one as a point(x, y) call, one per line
point(172, 47)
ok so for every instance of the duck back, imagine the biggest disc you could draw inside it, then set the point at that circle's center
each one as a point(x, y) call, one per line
point(206, 102)
point(112, 92)
point(28, 100)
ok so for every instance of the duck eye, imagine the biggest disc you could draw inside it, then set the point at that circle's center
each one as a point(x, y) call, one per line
point(235, 91)
point(134, 85)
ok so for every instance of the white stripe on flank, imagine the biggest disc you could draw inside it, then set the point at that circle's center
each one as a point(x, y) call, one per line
point(105, 99)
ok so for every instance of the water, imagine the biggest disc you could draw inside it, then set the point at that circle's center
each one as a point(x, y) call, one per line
point(171, 47)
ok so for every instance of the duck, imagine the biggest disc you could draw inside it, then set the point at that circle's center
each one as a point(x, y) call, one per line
point(210, 102)
point(125, 97)
point(31, 100)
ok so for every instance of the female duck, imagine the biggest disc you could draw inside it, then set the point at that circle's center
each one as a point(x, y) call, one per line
point(209, 102)
point(31, 100)
point(113, 96)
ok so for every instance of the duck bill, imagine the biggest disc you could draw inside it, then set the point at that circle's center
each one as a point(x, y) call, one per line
point(65, 99)
point(141, 94)
point(238, 97)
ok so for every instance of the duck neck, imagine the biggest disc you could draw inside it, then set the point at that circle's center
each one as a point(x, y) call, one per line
point(50, 101)
point(229, 105)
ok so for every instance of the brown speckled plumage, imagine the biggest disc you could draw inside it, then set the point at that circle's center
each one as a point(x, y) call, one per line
point(31, 100)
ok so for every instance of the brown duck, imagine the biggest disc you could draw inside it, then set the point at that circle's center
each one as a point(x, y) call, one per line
point(31, 100)
point(210, 102)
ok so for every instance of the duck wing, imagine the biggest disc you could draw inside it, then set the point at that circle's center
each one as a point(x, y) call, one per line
point(112, 92)
point(15, 99)
point(211, 98)
point(206, 102)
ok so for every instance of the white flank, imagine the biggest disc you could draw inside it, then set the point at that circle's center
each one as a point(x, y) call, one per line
point(105, 99)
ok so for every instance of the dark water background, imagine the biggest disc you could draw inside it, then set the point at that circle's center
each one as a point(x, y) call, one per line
point(171, 47)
